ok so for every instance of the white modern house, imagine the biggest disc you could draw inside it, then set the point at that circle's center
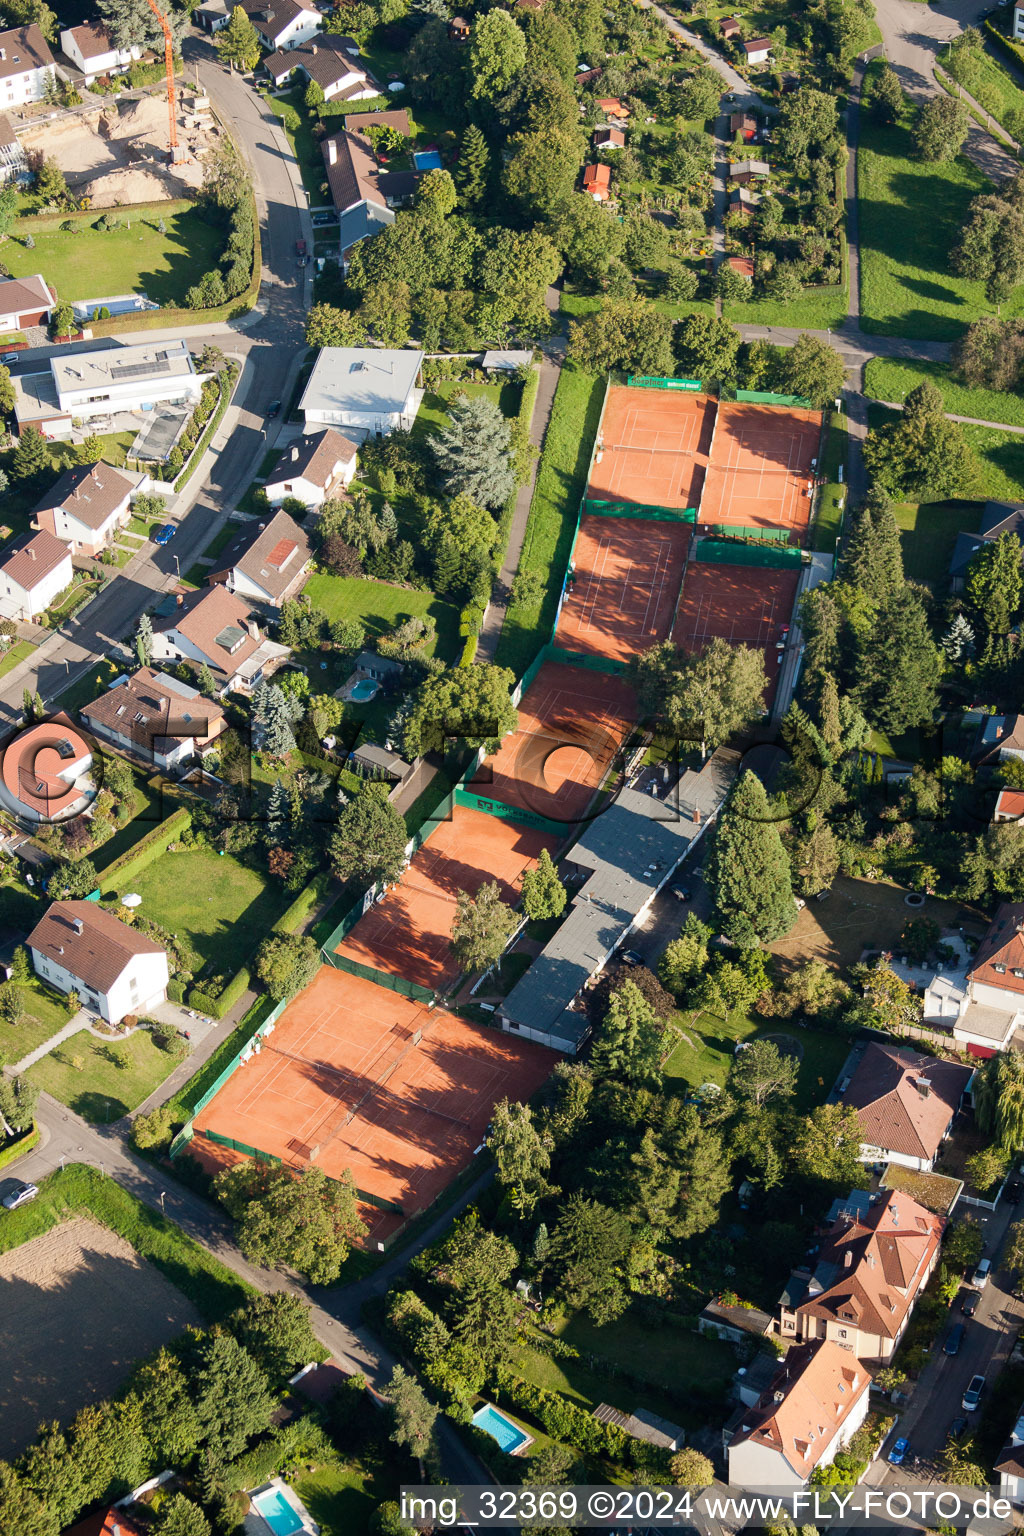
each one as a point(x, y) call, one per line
point(26, 66)
point(1018, 21)
point(283, 23)
point(44, 772)
point(79, 947)
point(313, 469)
point(86, 507)
point(33, 570)
point(100, 383)
point(91, 49)
point(365, 390)
point(329, 61)
point(815, 1403)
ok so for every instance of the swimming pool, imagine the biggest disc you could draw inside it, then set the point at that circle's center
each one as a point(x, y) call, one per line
point(364, 690)
point(278, 1512)
point(508, 1435)
point(427, 160)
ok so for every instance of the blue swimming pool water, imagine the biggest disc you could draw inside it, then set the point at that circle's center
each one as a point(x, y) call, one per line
point(508, 1435)
point(427, 160)
point(278, 1513)
point(365, 689)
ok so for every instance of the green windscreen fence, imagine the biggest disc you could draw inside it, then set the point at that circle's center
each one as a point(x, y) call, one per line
point(743, 531)
point(729, 552)
point(655, 381)
point(380, 978)
point(503, 812)
point(577, 659)
point(766, 397)
point(641, 511)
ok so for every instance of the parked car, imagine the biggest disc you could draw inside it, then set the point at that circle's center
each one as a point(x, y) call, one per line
point(981, 1275)
point(300, 247)
point(681, 892)
point(164, 534)
point(8, 358)
point(631, 957)
point(273, 409)
point(954, 1338)
point(320, 219)
point(972, 1397)
point(957, 1428)
point(21, 1194)
point(898, 1454)
point(969, 1303)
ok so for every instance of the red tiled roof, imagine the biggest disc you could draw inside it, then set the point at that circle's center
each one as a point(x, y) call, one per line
point(99, 954)
point(819, 1385)
point(1002, 947)
point(1010, 803)
point(597, 178)
point(905, 1100)
point(33, 761)
point(32, 557)
point(91, 493)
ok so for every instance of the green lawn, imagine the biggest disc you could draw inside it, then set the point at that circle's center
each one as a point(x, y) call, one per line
point(224, 907)
point(342, 1498)
point(77, 1190)
point(150, 808)
point(707, 1046)
point(893, 379)
point(929, 534)
point(988, 80)
point(380, 607)
point(1002, 462)
point(433, 411)
point(20, 909)
point(19, 651)
point(221, 540)
point(46, 1013)
point(911, 212)
point(817, 309)
point(561, 482)
point(94, 264)
point(98, 1089)
point(298, 130)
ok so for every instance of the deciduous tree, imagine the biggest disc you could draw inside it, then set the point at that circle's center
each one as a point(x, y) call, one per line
point(814, 369)
point(307, 1221)
point(497, 54)
point(483, 925)
point(287, 962)
point(470, 704)
point(626, 334)
point(940, 130)
point(369, 841)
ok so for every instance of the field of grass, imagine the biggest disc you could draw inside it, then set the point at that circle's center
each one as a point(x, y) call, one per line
point(224, 907)
point(380, 607)
point(893, 379)
point(98, 1089)
point(707, 1046)
point(76, 1190)
point(859, 915)
point(19, 651)
point(342, 1497)
point(93, 264)
point(911, 212)
point(46, 1014)
point(989, 81)
point(561, 482)
point(433, 411)
point(829, 521)
point(817, 309)
point(1002, 462)
point(929, 534)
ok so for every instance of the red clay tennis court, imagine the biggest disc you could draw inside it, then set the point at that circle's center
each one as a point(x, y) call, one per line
point(407, 932)
point(627, 575)
point(357, 1077)
point(747, 605)
point(653, 447)
point(761, 471)
point(571, 724)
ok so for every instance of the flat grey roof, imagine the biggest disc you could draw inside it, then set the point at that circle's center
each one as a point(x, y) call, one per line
point(507, 360)
point(35, 395)
point(373, 381)
point(632, 849)
point(121, 365)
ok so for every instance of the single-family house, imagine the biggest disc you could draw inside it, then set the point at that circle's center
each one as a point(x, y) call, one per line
point(24, 301)
point(1018, 22)
point(612, 107)
point(1000, 739)
point(758, 50)
point(44, 772)
point(816, 1402)
point(609, 138)
point(33, 570)
point(283, 24)
point(361, 222)
point(459, 29)
point(1009, 805)
point(156, 717)
point(26, 66)
point(217, 627)
point(266, 563)
point(365, 390)
point(906, 1103)
point(743, 123)
point(597, 182)
point(1010, 1463)
point(330, 62)
point(134, 378)
point(743, 202)
point(997, 517)
point(80, 947)
point(13, 161)
point(875, 1256)
point(86, 507)
point(980, 1000)
point(355, 178)
point(91, 49)
point(313, 468)
point(729, 27)
point(743, 172)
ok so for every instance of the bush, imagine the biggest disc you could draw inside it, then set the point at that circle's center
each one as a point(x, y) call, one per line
point(176, 991)
point(148, 848)
point(153, 1132)
point(202, 1002)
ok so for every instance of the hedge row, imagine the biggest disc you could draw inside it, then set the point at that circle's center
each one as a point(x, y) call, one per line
point(562, 1418)
point(217, 1007)
point(148, 848)
point(293, 917)
point(521, 429)
point(211, 426)
point(19, 1146)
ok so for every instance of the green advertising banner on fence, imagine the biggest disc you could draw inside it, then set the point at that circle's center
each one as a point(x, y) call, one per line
point(594, 507)
point(653, 381)
point(766, 397)
point(733, 552)
point(503, 812)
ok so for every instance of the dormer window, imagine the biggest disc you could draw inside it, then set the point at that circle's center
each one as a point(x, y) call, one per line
point(999, 968)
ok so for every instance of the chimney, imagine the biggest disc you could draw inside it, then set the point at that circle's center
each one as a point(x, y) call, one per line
point(847, 1259)
point(924, 1087)
point(31, 552)
point(78, 925)
point(332, 151)
point(313, 49)
point(180, 599)
point(254, 629)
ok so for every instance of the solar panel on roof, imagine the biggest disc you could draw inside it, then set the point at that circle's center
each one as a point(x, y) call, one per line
point(229, 637)
point(138, 370)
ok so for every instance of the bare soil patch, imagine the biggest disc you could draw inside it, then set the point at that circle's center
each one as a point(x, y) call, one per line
point(859, 915)
point(80, 1308)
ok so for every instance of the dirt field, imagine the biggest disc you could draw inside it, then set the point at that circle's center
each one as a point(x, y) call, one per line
point(79, 1308)
point(118, 154)
point(859, 915)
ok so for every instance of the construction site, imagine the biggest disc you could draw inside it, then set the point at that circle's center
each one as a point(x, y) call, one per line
point(117, 152)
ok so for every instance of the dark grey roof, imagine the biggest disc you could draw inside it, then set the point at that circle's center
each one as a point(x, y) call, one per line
point(384, 664)
point(1000, 516)
point(631, 848)
point(369, 755)
point(964, 550)
point(361, 223)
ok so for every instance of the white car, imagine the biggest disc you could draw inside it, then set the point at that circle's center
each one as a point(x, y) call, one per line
point(20, 1195)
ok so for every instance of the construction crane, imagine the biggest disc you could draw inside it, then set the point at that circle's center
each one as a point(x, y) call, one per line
point(169, 72)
